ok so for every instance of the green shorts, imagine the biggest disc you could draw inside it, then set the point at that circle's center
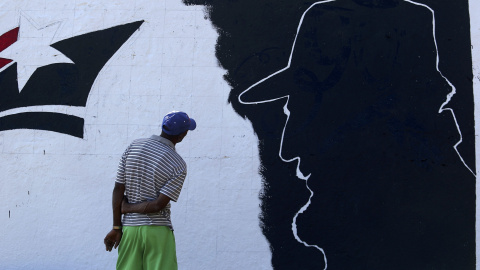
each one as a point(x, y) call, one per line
point(147, 248)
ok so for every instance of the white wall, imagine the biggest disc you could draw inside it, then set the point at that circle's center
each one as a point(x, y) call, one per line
point(475, 36)
point(55, 189)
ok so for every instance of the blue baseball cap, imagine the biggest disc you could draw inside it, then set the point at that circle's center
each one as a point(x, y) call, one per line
point(176, 122)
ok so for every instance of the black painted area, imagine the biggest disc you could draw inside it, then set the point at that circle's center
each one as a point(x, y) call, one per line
point(390, 191)
point(61, 123)
point(65, 84)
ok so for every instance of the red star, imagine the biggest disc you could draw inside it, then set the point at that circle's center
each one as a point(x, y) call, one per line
point(6, 40)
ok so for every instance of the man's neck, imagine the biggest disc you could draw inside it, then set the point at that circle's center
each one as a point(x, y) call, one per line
point(171, 138)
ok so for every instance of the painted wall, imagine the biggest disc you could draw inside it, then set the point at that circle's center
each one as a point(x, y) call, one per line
point(352, 127)
point(365, 114)
point(55, 188)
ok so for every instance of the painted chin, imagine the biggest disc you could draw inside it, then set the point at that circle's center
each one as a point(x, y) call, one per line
point(302, 169)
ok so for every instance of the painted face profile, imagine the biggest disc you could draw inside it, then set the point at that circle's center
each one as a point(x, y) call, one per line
point(358, 63)
point(367, 125)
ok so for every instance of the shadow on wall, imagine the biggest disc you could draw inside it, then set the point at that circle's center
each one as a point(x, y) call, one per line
point(380, 184)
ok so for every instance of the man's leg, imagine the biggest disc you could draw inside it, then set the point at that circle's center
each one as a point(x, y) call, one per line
point(160, 250)
point(130, 250)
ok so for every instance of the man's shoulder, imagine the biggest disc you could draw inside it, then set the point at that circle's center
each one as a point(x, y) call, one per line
point(175, 157)
point(157, 147)
point(138, 141)
point(147, 142)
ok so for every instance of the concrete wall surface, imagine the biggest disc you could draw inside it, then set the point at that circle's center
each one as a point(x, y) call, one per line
point(79, 80)
point(55, 195)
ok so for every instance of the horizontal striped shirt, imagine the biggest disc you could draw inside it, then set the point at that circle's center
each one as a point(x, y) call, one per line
point(147, 168)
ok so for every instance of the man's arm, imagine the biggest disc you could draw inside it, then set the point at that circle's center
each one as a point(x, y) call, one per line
point(115, 235)
point(146, 207)
point(168, 192)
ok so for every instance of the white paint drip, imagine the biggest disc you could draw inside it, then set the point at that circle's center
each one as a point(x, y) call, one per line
point(299, 174)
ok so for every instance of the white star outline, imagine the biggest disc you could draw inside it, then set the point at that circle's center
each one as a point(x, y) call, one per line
point(32, 49)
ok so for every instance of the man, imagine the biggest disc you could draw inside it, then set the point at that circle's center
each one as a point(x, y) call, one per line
point(150, 174)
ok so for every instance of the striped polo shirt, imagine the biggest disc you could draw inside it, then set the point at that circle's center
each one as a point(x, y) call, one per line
point(147, 168)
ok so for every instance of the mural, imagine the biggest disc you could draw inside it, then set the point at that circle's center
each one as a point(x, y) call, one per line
point(33, 75)
point(79, 81)
point(364, 113)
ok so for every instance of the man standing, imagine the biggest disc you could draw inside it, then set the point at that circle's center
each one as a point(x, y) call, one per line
point(150, 174)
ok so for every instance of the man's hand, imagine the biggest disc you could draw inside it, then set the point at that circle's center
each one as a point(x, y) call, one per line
point(145, 207)
point(112, 240)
